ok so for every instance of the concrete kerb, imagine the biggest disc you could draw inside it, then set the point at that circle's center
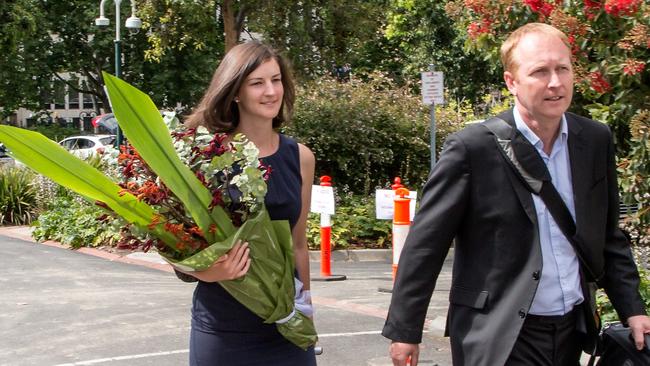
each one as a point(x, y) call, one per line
point(154, 259)
point(355, 255)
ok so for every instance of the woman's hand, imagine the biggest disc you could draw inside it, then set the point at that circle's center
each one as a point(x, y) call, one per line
point(229, 266)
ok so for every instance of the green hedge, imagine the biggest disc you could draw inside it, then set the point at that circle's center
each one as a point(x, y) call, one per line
point(353, 226)
point(365, 133)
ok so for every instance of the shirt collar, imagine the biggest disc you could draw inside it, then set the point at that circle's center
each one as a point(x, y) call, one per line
point(532, 137)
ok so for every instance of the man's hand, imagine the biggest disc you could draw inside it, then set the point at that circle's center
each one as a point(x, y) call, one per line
point(639, 325)
point(401, 353)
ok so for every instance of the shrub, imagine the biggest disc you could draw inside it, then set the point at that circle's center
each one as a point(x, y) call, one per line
point(605, 308)
point(353, 226)
point(17, 196)
point(55, 132)
point(364, 133)
point(634, 174)
point(609, 43)
point(69, 218)
point(75, 222)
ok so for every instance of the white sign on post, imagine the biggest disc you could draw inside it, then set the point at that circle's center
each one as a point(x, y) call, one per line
point(385, 202)
point(433, 87)
point(322, 200)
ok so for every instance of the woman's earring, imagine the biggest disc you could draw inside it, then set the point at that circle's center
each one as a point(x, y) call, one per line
point(236, 100)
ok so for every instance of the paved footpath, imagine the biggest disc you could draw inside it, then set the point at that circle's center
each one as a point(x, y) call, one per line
point(90, 307)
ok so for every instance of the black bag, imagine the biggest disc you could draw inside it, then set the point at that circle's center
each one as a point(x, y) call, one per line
point(619, 349)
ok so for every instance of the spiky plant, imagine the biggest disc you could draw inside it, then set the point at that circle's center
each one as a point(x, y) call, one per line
point(18, 202)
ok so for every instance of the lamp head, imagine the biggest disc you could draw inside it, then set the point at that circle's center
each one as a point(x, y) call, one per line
point(133, 22)
point(102, 21)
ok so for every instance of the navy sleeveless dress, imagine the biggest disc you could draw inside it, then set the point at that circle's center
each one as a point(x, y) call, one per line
point(224, 332)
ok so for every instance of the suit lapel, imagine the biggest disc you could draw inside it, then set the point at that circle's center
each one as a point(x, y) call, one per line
point(577, 159)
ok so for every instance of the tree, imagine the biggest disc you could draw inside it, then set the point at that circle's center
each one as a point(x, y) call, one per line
point(314, 34)
point(610, 43)
point(425, 35)
point(66, 41)
point(21, 65)
point(317, 35)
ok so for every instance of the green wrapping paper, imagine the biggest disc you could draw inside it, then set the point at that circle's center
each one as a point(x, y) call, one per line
point(267, 289)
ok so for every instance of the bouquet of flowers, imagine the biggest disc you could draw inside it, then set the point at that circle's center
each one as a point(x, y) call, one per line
point(193, 194)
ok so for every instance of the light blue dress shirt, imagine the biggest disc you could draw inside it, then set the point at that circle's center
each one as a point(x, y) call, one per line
point(559, 285)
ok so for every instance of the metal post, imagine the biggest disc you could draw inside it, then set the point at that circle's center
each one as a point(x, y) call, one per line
point(326, 243)
point(432, 115)
point(118, 61)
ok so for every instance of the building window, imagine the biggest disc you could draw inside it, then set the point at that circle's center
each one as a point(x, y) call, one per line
point(59, 94)
point(73, 99)
point(46, 97)
point(87, 101)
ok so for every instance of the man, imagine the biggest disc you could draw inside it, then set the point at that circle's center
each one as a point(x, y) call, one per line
point(519, 294)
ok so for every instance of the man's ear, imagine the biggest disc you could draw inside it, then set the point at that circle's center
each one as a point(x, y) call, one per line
point(510, 82)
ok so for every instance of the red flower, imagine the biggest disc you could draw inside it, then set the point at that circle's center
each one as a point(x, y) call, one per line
point(543, 7)
point(267, 171)
point(151, 193)
point(593, 4)
point(598, 83)
point(217, 199)
point(592, 8)
point(176, 229)
point(196, 231)
point(475, 29)
point(478, 6)
point(621, 7)
point(633, 67)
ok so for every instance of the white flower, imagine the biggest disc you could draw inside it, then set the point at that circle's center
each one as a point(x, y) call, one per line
point(170, 119)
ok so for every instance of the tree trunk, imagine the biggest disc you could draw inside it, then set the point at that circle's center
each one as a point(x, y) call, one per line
point(231, 31)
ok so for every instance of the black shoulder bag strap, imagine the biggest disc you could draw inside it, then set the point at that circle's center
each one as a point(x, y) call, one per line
point(542, 187)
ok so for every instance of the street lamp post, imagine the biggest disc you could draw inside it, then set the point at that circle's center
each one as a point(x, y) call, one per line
point(133, 23)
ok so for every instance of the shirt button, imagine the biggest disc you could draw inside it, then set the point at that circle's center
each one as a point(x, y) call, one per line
point(522, 313)
point(536, 275)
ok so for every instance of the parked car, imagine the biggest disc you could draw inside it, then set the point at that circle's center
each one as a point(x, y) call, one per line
point(7, 160)
point(86, 145)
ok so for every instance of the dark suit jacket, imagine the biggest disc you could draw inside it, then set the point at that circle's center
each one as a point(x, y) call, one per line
point(472, 195)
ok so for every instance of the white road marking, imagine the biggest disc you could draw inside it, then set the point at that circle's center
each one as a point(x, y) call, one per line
point(327, 335)
point(122, 358)
point(157, 354)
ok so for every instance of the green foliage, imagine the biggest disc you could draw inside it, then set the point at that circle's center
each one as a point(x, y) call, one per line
point(21, 68)
point(366, 133)
point(75, 222)
point(17, 196)
point(317, 35)
point(424, 34)
point(353, 226)
point(610, 48)
point(55, 132)
point(177, 25)
point(66, 40)
point(634, 180)
point(70, 219)
point(605, 308)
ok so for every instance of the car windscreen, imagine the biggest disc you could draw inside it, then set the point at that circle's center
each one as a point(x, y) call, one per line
point(106, 141)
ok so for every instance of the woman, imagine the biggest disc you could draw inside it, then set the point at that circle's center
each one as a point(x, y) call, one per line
point(252, 93)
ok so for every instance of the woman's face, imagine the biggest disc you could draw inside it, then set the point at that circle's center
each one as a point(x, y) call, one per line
point(260, 96)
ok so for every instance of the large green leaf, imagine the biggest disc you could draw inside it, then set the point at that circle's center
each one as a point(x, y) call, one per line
point(50, 159)
point(143, 125)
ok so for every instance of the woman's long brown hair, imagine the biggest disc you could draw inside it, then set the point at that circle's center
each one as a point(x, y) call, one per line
point(217, 110)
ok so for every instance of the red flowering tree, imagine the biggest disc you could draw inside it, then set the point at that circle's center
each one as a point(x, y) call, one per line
point(610, 44)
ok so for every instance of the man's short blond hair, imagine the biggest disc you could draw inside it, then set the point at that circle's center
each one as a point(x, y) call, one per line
point(508, 47)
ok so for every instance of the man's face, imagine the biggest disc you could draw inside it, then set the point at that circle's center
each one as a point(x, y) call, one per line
point(543, 81)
